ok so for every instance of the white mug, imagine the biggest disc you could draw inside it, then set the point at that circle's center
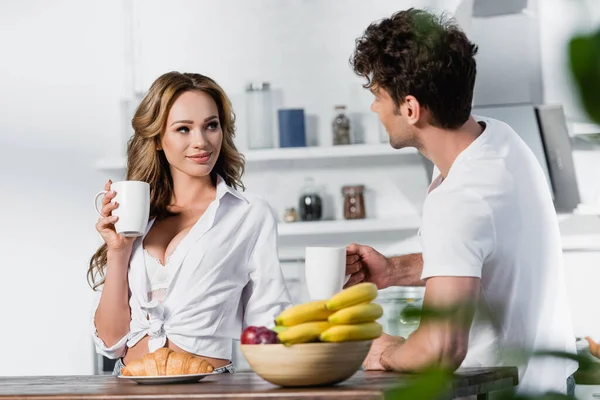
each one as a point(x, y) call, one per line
point(325, 271)
point(134, 207)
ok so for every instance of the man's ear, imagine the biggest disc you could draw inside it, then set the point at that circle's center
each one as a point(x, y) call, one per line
point(412, 109)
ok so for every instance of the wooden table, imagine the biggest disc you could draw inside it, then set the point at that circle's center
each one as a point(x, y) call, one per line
point(362, 386)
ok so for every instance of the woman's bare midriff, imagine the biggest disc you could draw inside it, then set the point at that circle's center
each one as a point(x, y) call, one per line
point(141, 349)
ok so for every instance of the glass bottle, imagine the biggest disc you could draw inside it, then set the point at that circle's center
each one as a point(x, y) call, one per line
point(310, 203)
point(341, 126)
point(259, 115)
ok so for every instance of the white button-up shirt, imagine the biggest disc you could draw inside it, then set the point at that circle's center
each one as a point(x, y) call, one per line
point(227, 276)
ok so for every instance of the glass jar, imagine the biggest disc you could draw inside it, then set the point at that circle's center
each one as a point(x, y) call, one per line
point(259, 115)
point(395, 301)
point(341, 126)
point(354, 202)
point(310, 203)
point(290, 215)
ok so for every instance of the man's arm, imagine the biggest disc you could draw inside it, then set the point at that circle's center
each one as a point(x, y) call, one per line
point(407, 270)
point(457, 236)
point(441, 340)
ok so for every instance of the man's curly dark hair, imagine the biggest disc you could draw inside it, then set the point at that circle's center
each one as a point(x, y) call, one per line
point(418, 53)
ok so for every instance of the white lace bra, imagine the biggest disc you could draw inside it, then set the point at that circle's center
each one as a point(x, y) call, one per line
point(159, 275)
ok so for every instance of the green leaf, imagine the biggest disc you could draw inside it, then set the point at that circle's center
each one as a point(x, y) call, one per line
point(584, 59)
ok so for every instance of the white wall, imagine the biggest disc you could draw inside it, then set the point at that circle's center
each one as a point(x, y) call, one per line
point(60, 78)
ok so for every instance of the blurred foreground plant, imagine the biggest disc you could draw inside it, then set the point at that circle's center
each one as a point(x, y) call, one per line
point(436, 383)
point(584, 59)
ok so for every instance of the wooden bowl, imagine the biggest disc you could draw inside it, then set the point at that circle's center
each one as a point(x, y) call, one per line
point(307, 364)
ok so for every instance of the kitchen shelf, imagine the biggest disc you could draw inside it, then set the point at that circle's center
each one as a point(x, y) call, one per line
point(590, 242)
point(295, 154)
point(291, 229)
point(584, 128)
point(325, 152)
point(580, 232)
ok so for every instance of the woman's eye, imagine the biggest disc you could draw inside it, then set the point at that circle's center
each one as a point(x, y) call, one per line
point(213, 125)
point(183, 129)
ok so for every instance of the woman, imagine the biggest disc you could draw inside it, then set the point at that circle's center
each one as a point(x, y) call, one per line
point(207, 265)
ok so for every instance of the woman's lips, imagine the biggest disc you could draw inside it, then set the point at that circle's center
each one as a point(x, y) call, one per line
point(200, 158)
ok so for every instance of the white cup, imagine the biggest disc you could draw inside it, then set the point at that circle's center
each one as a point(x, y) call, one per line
point(325, 270)
point(134, 207)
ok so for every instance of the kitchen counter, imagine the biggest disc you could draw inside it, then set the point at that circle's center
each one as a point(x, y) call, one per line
point(580, 232)
point(364, 385)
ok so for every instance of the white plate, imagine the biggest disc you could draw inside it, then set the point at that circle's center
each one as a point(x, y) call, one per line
point(157, 380)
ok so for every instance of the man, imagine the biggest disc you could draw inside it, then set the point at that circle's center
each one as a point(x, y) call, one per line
point(489, 231)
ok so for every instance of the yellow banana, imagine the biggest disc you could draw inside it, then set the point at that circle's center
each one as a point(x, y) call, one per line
point(361, 293)
point(279, 328)
point(360, 313)
point(306, 312)
point(303, 333)
point(348, 333)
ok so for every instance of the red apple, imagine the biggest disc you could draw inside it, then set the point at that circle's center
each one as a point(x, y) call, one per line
point(266, 336)
point(259, 335)
point(249, 335)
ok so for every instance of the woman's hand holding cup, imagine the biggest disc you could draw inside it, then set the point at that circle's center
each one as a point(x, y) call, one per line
point(106, 224)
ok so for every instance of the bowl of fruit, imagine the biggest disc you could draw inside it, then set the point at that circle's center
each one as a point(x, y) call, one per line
point(316, 343)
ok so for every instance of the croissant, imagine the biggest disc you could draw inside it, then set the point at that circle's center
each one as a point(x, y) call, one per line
point(165, 361)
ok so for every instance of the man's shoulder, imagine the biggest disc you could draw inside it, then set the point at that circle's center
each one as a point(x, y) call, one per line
point(454, 204)
point(495, 126)
point(472, 181)
point(502, 142)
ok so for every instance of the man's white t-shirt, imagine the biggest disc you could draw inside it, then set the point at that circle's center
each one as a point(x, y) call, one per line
point(493, 218)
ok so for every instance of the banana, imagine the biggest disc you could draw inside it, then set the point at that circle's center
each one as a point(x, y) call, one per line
point(306, 312)
point(279, 328)
point(303, 333)
point(360, 313)
point(361, 293)
point(348, 333)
